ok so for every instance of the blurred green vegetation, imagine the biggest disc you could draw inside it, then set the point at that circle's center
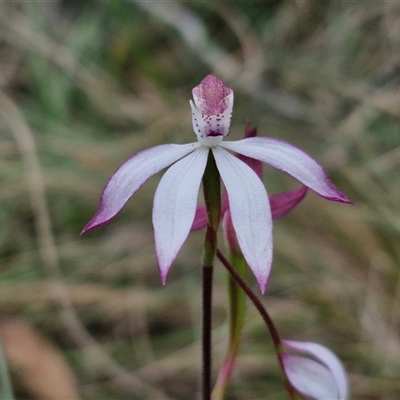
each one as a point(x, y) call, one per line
point(84, 85)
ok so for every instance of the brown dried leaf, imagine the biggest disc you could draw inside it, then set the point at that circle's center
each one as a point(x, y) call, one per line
point(36, 364)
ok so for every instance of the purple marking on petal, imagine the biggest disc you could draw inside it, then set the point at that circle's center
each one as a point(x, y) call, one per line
point(282, 203)
point(200, 218)
point(225, 202)
point(230, 234)
point(211, 96)
point(255, 165)
point(250, 131)
point(212, 126)
point(131, 175)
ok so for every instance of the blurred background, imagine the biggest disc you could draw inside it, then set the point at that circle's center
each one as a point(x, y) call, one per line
point(84, 85)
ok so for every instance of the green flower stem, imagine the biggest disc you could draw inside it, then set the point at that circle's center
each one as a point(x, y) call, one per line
point(212, 194)
point(236, 318)
point(212, 197)
point(276, 340)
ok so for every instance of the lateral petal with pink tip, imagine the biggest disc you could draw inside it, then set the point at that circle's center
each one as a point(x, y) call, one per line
point(175, 206)
point(131, 175)
point(288, 158)
point(250, 212)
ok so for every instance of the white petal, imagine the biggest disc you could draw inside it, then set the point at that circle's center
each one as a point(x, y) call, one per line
point(288, 158)
point(326, 357)
point(175, 206)
point(310, 378)
point(128, 178)
point(250, 213)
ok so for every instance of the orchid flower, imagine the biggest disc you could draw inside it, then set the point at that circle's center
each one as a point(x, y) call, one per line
point(318, 373)
point(175, 200)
